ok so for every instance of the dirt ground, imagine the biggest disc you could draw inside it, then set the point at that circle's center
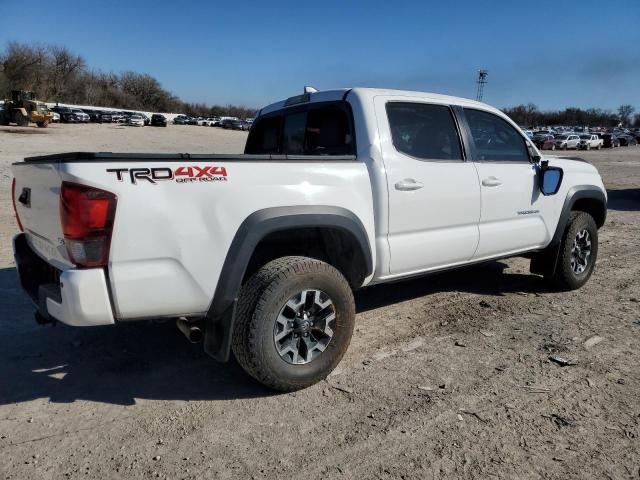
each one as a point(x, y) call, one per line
point(447, 377)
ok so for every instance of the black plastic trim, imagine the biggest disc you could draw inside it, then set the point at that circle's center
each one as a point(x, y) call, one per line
point(546, 262)
point(465, 133)
point(220, 318)
point(95, 157)
point(574, 194)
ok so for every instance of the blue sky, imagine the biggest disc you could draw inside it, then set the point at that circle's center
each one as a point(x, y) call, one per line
point(552, 53)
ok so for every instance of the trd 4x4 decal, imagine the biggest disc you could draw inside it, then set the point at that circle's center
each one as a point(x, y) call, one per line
point(207, 173)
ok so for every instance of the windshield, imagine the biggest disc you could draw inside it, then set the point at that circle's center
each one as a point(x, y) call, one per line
point(561, 137)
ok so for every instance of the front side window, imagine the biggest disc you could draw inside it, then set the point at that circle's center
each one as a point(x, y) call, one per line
point(494, 138)
point(424, 131)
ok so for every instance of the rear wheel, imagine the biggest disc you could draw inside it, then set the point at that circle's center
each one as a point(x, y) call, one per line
point(294, 322)
point(43, 124)
point(578, 252)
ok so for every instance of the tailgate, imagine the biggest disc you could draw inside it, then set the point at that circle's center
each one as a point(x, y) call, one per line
point(37, 191)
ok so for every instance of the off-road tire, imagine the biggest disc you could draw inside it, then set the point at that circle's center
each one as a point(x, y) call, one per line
point(564, 278)
point(43, 124)
point(261, 300)
point(21, 120)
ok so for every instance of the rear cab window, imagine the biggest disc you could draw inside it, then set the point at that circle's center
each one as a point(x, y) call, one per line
point(424, 131)
point(323, 128)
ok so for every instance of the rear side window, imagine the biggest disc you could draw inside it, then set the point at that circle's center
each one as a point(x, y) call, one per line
point(494, 138)
point(314, 129)
point(328, 132)
point(427, 132)
point(264, 137)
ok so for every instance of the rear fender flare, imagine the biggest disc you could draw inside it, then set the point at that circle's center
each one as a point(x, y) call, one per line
point(220, 317)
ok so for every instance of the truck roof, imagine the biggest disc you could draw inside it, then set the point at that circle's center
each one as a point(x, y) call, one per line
point(368, 93)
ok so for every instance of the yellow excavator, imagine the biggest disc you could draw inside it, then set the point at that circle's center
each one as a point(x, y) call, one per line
point(23, 108)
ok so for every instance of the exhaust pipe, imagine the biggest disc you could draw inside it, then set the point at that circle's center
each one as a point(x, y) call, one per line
point(189, 330)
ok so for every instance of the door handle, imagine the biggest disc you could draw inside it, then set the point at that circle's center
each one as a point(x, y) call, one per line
point(491, 182)
point(408, 184)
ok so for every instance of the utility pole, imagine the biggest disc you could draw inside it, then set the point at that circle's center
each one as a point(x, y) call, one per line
point(482, 80)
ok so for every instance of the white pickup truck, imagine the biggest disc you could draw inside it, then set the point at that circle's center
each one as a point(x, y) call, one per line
point(259, 253)
point(589, 141)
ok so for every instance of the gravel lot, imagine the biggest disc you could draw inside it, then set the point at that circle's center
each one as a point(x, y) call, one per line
point(447, 376)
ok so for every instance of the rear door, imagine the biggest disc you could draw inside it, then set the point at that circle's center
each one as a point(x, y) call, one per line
point(434, 194)
point(513, 209)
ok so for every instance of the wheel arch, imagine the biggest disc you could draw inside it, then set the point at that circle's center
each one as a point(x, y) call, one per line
point(271, 224)
point(584, 198)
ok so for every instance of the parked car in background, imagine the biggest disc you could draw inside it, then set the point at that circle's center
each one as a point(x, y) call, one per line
point(158, 120)
point(180, 120)
point(56, 117)
point(192, 121)
point(135, 120)
point(589, 141)
point(544, 132)
point(609, 140)
point(93, 114)
point(66, 114)
point(80, 115)
point(627, 140)
point(105, 117)
point(566, 141)
point(232, 124)
point(545, 141)
point(204, 122)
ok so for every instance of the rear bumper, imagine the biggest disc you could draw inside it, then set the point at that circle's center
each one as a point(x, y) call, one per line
point(74, 297)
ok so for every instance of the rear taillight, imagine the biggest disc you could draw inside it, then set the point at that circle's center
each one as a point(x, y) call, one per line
point(87, 215)
point(13, 200)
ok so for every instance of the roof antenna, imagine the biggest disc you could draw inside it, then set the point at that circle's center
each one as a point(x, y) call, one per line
point(308, 89)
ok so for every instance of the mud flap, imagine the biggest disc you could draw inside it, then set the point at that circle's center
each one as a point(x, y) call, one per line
point(545, 262)
point(218, 332)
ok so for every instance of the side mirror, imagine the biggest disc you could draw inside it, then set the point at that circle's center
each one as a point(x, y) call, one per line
point(550, 179)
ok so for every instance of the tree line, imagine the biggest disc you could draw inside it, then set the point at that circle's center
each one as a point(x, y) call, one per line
point(529, 115)
point(56, 74)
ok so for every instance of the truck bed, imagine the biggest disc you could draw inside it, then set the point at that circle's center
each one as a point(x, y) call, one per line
point(177, 214)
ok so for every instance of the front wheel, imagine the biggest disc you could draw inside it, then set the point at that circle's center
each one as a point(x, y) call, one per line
point(295, 318)
point(578, 252)
point(21, 120)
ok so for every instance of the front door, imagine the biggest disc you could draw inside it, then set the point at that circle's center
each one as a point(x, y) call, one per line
point(513, 209)
point(434, 194)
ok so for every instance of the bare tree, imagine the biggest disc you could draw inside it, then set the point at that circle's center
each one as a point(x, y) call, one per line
point(625, 112)
point(23, 66)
